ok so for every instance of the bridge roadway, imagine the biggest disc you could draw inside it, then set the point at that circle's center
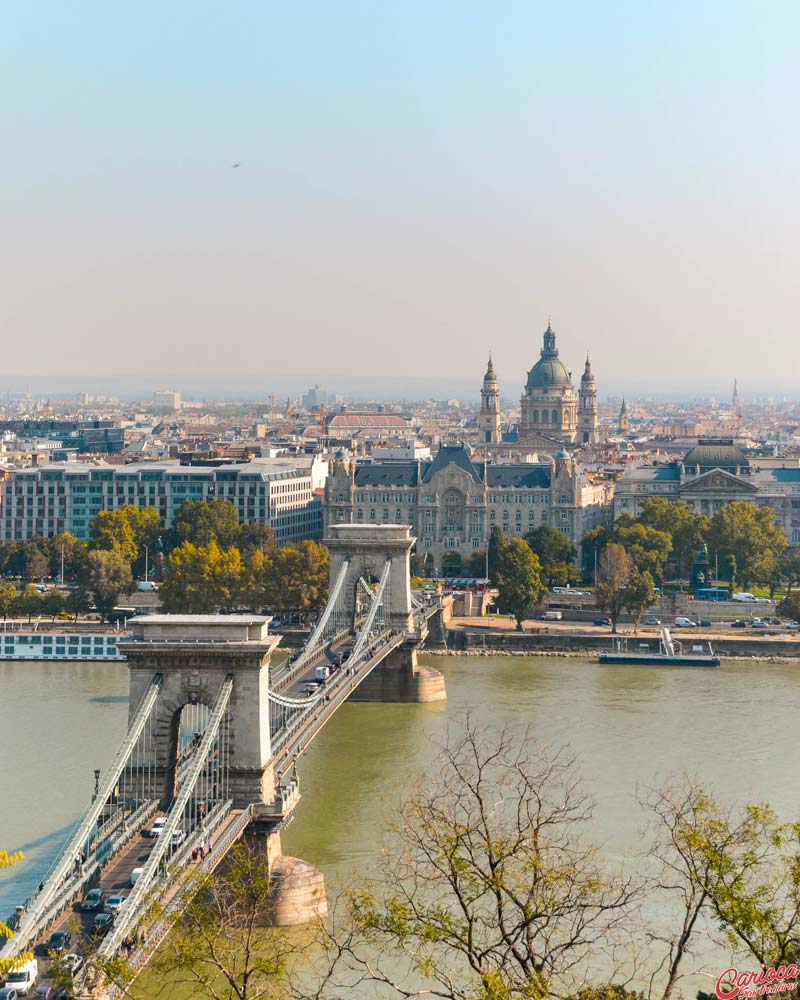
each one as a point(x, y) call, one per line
point(114, 876)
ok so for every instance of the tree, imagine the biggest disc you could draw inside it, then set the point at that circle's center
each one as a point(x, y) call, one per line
point(497, 542)
point(789, 607)
point(112, 531)
point(592, 544)
point(36, 563)
point(108, 576)
point(204, 521)
point(740, 865)
point(750, 536)
point(518, 579)
point(74, 552)
point(555, 552)
point(648, 548)
point(222, 946)
point(488, 890)
point(255, 536)
point(476, 564)
point(202, 579)
point(302, 577)
point(78, 602)
point(675, 518)
point(790, 566)
point(52, 603)
point(640, 593)
point(30, 602)
point(261, 581)
point(613, 576)
point(8, 860)
point(8, 599)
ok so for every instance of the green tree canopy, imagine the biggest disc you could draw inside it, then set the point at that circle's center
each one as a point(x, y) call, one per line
point(675, 518)
point(29, 602)
point(201, 579)
point(497, 542)
point(204, 521)
point(8, 599)
point(519, 579)
point(301, 577)
point(108, 574)
point(789, 607)
point(749, 535)
point(555, 552)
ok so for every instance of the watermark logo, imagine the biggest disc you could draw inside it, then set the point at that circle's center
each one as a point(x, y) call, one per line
point(734, 985)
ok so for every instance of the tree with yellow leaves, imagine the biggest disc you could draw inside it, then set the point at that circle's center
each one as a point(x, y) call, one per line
point(7, 964)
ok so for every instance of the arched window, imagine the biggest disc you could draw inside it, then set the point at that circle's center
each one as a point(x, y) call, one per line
point(544, 416)
point(555, 416)
point(796, 537)
point(536, 416)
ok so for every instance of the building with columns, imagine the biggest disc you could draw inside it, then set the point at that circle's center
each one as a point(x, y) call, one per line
point(712, 473)
point(453, 501)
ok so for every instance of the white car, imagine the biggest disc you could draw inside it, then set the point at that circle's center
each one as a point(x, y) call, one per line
point(157, 827)
point(114, 903)
point(136, 874)
point(685, 623)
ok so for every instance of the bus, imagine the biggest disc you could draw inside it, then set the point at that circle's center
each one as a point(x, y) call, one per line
point(711, 594)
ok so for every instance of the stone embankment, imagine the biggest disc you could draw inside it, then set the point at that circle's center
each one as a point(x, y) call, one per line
point(493, 642)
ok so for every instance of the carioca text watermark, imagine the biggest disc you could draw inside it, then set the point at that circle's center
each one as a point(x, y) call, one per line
point(757, 983)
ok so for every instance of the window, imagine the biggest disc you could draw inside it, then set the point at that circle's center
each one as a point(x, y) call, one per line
point(476, 542)
point(554, 417)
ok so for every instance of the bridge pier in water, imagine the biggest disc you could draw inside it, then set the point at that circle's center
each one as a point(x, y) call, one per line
point(401, 679)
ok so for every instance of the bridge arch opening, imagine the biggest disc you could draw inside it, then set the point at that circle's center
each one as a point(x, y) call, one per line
point(187, 729)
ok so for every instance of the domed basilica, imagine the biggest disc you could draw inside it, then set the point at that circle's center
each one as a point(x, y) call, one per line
point(551, 413)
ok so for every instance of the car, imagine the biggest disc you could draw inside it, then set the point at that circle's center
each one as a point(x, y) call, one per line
point(761, 600)
point(177, 838)
point(102, 924)
point(51, 992)
point(757, 623)
point(311, 689)
point(739, 623)
point(136, 874)
point(706, 623)
point(336, 661)
point(792, 625)
point(652, 621)
point(20, 981)
point(276, 623)
point(114, 903)
point(157, 826)
point(73, 963)
point(682, 622)
point(602, 621)
point(59, 941)
point(93, 900)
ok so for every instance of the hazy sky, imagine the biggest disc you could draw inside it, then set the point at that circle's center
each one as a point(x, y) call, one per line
point(420, 182)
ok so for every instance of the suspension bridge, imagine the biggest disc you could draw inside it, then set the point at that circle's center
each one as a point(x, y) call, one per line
point(214, 735)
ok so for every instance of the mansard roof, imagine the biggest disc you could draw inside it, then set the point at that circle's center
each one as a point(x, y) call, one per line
point(710, 454)
point(388, 474)
point(451, 455)
point(523, 476)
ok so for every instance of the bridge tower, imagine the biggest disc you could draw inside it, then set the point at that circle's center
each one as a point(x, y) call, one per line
point(366, 549)
point(194, 655)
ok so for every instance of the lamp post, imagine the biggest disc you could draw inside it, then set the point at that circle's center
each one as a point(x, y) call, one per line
point(96, 783)
point(62, 564)
point(146, 562)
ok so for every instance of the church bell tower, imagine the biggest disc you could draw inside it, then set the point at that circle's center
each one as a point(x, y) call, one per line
point(587, 407)
point(489, 415)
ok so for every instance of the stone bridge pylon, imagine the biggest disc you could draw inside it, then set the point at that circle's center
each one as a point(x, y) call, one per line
point(365, 549)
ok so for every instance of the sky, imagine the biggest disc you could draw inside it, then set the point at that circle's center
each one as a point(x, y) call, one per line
point(419, 183)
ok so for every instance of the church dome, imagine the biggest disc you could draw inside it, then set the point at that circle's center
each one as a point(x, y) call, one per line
point(548, 370)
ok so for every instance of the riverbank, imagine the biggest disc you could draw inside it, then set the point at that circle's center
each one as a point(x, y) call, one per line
point(500, 638)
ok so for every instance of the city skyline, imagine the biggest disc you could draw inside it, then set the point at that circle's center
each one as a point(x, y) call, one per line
point(408, 181)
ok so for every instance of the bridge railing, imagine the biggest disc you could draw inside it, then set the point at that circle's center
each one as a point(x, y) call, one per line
point(292, 740)
point(74, 887)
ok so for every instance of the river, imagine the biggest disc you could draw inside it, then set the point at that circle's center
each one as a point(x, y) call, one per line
point(628, 726)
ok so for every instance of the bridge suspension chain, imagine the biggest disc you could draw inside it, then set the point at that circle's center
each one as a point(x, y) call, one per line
point(130, 913)
point(88, 824)
point(332, 620)
point(377, 603)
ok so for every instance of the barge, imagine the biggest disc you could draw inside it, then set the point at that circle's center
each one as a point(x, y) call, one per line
point(669, 654)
